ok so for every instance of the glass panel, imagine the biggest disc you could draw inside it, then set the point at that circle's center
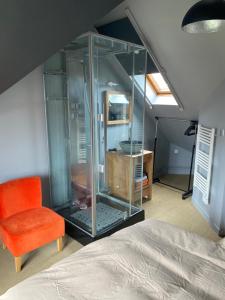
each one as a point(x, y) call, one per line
point(55, 86)
point(113, 61)
point(141, 158)
point(79, 121)
point(56, 104)
point(69, 127)
point(55, 64)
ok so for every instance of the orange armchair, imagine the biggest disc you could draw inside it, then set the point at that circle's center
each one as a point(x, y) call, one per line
point(24, 224)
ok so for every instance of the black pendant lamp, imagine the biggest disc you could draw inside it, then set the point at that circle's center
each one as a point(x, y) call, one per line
point(205, 16)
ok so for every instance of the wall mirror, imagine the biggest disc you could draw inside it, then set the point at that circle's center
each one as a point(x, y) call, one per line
point(117, 108)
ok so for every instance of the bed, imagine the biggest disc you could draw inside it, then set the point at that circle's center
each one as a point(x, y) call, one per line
point(150, 260)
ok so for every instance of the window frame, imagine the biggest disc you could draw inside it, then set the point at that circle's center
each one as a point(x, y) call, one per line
point(156, 87)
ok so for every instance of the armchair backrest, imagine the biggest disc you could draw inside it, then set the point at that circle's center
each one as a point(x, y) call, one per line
point(19, 195)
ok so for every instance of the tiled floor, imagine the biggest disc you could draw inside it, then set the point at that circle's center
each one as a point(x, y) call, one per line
point(166, 205)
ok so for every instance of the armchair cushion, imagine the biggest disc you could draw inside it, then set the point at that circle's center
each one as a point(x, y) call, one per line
point(28, 230)
point(20, 195)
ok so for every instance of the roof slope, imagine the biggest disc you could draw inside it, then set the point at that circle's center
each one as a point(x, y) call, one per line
point(195, 64)
point(31, 31)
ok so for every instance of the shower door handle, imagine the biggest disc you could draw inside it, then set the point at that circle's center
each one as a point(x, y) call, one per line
point(101, 168)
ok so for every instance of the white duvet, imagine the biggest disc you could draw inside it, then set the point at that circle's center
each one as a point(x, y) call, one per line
point(150, 260)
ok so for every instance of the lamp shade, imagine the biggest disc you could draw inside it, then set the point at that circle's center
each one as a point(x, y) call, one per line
point(205, 16)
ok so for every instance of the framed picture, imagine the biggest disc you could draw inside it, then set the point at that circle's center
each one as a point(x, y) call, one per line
point(117, 108)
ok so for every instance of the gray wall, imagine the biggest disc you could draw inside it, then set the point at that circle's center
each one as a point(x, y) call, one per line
point(23, 147)
point(179, 160)
point(174, 149)
point(149, 129)
point(31, 31)
point(161, 155)
point(213, 116)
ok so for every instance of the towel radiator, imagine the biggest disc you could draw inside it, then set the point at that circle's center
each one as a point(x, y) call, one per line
point(203, 161)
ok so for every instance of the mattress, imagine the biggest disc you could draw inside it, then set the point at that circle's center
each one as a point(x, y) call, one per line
point(150, 260)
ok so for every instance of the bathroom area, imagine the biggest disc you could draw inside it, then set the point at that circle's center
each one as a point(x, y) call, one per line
point(100, 172)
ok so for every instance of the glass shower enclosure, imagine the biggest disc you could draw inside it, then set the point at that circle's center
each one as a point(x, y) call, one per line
point(95, 122)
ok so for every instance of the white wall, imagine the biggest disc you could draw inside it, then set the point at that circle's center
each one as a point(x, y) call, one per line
point(23, 146)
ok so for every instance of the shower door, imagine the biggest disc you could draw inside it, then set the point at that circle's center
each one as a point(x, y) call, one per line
point(80, 142)
point(118, 112)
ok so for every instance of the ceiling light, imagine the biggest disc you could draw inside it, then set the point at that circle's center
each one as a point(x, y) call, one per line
point(205, 16)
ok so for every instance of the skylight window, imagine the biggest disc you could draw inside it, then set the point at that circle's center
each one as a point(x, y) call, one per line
point(157, 86)
point(159, 94)
point(158, 83)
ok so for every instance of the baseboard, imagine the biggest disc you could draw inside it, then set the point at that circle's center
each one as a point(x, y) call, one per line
point(178, 171)
point(200, 209)
point(205, 215)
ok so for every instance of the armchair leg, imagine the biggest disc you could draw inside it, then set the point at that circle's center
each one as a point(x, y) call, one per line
point(18, 263)
point(3, 246)
point(59, 244)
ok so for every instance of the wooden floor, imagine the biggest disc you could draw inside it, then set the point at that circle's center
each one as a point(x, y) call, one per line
point(33, 263)
point(175, 180)
point(166, 205)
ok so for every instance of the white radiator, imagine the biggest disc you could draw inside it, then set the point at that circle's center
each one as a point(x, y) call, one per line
point(204, 160)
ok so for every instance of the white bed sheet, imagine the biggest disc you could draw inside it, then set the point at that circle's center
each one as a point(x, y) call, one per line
point(150, 260)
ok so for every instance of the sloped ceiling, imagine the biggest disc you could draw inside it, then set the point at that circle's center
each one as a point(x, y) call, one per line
point(33, 30)
point(195, 64)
